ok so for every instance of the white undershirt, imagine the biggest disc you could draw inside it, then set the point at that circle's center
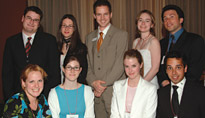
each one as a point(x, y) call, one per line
point(104, 31)
point(179, 90)
point(25, 38)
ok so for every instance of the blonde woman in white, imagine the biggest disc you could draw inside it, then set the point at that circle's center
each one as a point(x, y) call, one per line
point(133, 97)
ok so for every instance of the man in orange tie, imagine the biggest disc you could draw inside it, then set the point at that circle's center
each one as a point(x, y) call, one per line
point(106, 46)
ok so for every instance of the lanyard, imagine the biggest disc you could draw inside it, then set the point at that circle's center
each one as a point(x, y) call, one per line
point(67, 101)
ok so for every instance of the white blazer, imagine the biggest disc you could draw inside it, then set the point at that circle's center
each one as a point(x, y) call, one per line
point(89, 103)
point(144, 102)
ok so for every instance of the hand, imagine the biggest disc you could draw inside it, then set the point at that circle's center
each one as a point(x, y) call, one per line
point(97, 94)
point(98, 87)
point(165, 83)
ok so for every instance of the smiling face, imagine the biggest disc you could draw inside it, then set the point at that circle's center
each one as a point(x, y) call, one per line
point(172, 22)
point(175, 69)
point(103, 16)
point(31, 22)
point(144, 23)
point(33, 85)
point(72, 71)
point(132, 67)
point(67, 28)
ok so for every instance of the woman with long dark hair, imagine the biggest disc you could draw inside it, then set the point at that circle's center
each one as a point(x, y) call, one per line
point(69, 43)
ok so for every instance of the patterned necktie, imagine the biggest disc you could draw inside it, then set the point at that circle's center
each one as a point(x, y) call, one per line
point(175, 100)
point(100, 40)
point(28, 46)
point(172, 42)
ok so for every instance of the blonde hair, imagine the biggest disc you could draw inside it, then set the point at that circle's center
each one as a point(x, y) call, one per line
point(29, 68)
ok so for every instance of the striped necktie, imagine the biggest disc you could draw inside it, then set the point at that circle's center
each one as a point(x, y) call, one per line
point(28, 46)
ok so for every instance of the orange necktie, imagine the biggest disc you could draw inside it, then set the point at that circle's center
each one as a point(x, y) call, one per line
point(100, 40)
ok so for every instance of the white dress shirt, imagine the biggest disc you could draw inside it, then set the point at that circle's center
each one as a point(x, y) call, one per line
point(179, 90)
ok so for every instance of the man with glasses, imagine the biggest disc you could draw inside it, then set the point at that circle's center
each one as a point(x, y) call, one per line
point(31, 46)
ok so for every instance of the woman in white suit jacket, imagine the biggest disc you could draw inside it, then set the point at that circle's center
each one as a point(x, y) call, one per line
point(133, 97)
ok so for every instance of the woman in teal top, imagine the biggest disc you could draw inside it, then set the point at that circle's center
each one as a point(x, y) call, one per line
point(71, 99)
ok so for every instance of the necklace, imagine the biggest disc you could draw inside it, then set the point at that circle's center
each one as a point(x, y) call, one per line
point(67, 100)
point(144, 41)
point(145, 37)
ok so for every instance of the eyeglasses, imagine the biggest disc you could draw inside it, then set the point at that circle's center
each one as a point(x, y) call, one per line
point(34, 20)
point(74, 68)
point(67, 26)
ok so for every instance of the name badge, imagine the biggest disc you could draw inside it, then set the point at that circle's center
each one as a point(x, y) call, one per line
point(162, 62)
point(72, 116)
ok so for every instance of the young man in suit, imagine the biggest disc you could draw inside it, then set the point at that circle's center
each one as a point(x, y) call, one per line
point(31, 46)
point(178, 39)
point(182, 98)
point(106, 46)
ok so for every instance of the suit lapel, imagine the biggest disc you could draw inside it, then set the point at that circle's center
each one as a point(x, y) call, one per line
point(180, 41)
point(94, 41)
point(168, 102)
point(20, 48)
point(107, 38)
point(185, 97)
point(137, 96)
point(122, 97)
point(165, 45)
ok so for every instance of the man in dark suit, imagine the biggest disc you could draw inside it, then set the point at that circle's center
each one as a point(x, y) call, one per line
point(106, 47)
point(30, 47)
point(178, 39)
point(188, 99)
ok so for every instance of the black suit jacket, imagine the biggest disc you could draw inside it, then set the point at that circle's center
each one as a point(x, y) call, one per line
point(81, 53)
point(44, 52)
point(193, 47)
point(192, 102)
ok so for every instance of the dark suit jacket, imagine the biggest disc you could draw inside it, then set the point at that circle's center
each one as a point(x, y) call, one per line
point(193, 47)
point(44, 52)
point(81, 53)
point(192, 102)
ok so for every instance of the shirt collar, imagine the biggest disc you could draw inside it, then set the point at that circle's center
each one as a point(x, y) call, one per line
point(180, 84)
point(104, 31)
point(176, 35)
point(25, 37)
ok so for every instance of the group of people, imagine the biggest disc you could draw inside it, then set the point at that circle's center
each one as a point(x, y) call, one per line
point(102, 78)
